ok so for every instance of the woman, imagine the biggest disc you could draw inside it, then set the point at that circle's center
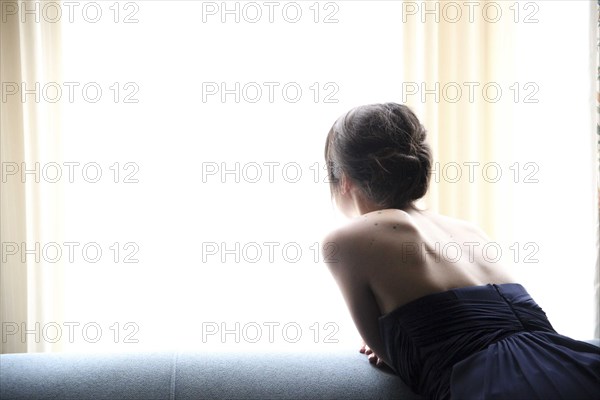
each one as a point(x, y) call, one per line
point(449, 327)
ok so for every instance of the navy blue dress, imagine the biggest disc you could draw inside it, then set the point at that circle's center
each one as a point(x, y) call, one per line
point(487, 342)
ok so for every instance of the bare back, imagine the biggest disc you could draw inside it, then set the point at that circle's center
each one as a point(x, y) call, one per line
point(409, 255)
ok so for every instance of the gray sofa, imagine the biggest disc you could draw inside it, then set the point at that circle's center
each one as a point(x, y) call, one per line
point(197, 375)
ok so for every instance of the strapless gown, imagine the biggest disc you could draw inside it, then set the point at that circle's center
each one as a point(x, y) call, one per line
point(487, 342)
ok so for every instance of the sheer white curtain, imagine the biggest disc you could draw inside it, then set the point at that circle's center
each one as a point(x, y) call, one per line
point(594, 43)
point(459, 72)
point(560, 212)
point(200, 203)
point(511, 130)
point(30, 285)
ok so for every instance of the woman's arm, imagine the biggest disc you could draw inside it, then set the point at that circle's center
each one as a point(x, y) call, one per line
point(346, 263)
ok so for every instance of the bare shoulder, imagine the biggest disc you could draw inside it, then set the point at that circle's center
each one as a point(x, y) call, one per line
point(464, 225)
point(361, 237)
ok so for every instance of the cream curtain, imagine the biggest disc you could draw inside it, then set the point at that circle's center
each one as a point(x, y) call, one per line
point(462, 53)
point(30, 291)
point(595, 75)
point(468, 134)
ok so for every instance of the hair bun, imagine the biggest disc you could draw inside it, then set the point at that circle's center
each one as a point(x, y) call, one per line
point(382, 147)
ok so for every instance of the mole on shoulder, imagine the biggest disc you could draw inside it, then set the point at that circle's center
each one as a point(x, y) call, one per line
point(376, 223)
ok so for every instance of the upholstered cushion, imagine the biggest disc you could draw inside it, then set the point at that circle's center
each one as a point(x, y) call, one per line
point(200, 375)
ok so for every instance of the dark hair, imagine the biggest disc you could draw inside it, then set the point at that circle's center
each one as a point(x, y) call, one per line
point(382, 149)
